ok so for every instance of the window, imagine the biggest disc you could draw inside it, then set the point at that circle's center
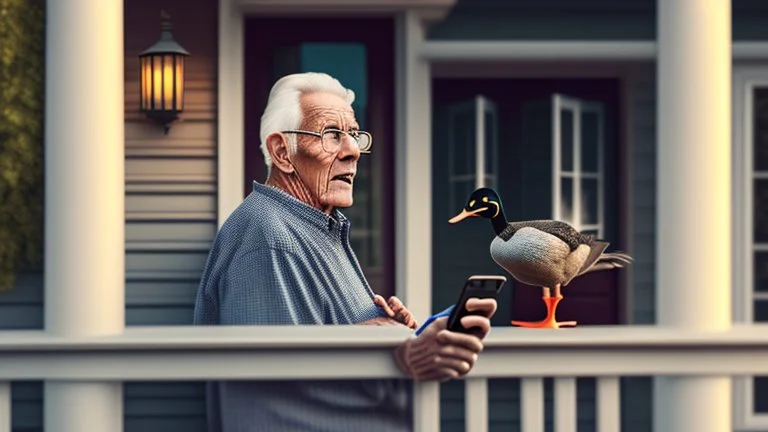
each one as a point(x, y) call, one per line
point(750, 127)
point(472, 149)
point(577, 164)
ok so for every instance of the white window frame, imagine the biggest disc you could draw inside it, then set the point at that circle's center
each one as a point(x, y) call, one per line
point(481, 106)
point(576, 107)
point(745, 79)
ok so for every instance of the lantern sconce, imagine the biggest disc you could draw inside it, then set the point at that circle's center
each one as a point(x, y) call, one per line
point(161, 93)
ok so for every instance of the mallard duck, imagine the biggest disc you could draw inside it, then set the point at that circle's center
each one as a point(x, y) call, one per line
point(545, 253)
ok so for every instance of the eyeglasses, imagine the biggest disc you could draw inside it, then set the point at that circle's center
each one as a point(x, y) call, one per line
point(331, 138)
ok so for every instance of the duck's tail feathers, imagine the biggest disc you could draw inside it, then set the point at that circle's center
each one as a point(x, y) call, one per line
point(611, 260)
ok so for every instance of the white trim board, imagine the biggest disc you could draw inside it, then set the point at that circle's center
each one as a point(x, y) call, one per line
point(564, 50)
point(231, 110)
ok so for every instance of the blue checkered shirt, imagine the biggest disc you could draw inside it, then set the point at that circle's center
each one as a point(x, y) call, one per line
point(278, 261)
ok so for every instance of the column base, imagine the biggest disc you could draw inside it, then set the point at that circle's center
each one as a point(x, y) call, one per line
point(83, 407)
point(701, 404)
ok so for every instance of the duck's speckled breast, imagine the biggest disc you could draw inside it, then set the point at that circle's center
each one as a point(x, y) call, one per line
point(536, 258)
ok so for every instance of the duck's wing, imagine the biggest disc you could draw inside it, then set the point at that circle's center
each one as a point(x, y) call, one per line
point(597, 260)
point(559, 229)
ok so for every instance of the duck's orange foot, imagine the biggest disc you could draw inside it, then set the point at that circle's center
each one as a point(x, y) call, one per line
point(553, 324)
point(549, 321)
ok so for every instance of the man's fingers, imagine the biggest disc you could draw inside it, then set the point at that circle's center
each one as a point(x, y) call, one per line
point(480, 326)
point(380, 302)
point(462, 340)
point(485, 307)
point(395, 303)
point(459, 353)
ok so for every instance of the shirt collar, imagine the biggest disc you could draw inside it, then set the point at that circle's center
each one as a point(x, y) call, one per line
point(302, 209)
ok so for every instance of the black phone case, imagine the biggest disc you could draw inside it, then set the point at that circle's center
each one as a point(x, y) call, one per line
point(478, 288)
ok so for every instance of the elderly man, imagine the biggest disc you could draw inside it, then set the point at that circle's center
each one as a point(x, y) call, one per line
point(283, 258)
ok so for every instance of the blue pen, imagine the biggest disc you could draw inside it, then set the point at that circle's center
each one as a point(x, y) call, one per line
point(429, 320)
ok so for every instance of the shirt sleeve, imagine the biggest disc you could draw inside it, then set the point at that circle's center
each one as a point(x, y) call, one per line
point(269, 287)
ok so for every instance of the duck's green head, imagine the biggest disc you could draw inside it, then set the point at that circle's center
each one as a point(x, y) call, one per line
point(483, 202)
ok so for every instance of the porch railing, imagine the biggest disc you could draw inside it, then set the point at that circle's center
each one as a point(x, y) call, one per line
point(351, 352)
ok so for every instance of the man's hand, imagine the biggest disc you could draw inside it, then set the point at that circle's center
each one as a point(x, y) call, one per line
point(439, 354)
point(396, 310)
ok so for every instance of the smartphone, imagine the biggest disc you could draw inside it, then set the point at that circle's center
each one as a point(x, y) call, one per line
point(477, 286)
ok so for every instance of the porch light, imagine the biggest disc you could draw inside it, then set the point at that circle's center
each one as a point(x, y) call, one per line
point(162, 77)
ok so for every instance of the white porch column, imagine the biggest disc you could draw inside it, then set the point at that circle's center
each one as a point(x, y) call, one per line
point(413, 185)
point(694, 202)
point(413, 181)
point(84, 199)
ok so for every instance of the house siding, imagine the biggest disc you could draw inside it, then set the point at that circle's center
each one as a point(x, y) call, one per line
point(170, 200)
point(626, 20)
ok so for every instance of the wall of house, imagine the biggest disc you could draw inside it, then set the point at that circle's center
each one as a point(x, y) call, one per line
point(170, 218)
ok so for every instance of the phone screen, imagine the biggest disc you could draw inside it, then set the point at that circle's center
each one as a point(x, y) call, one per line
point(475, 287)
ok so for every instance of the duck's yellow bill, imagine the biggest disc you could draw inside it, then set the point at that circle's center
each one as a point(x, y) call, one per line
point(465, 214)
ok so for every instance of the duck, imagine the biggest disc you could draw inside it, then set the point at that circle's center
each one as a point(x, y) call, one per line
point(544, 253)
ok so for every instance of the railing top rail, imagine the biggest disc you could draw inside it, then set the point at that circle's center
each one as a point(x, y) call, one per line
point(356, 352)
point(364, 337)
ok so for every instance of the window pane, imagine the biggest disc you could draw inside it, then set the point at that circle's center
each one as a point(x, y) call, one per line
point(589, 201)
point(566, 200)
point(761, 128)
point(760, 311)
point(760, 394)
point(589, 143)
point(566, 140)
point(761, 271)
point(462, 142)
point(761, 211)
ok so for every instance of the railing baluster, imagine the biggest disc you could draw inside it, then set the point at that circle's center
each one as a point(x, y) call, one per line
point(426, 406)
point(532, 405)
point(476, 404)
point(608, 404)
point(5, 406)
point(565, 404)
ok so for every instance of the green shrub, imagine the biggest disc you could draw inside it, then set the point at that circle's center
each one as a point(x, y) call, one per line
point(22, 88)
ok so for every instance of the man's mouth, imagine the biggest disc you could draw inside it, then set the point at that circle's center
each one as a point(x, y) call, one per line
point(347, 178)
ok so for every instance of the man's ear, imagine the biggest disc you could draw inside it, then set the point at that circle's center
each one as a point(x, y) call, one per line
point(277, 145)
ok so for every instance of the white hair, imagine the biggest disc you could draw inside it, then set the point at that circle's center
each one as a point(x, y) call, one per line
point(283, 110)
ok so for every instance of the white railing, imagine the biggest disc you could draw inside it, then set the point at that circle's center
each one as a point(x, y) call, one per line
point(354, 352)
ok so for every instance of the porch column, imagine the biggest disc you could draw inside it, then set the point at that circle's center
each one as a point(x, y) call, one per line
point(693, 289)
point(84, 199)
point(413, 186)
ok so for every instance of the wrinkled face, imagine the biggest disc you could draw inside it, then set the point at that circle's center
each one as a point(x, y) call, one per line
point(327, 173)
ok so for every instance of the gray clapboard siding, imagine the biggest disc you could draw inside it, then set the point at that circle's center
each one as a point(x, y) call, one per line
point(576, 20)
point(170, 203)
point(548, 20)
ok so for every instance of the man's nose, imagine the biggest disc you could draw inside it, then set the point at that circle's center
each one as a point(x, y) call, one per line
point(349, 148)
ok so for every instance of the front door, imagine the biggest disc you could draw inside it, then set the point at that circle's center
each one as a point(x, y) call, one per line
point(548, 154)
